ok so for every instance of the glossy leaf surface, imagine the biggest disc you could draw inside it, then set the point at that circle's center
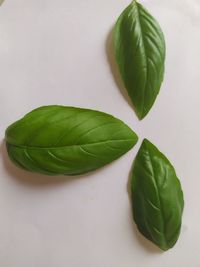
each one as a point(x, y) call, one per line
point(66, 140)
point(157, 198)
point(140, 54)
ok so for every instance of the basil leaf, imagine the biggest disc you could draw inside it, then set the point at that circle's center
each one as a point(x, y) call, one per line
point(140, 54)
point(157, 198)
point(66, 140)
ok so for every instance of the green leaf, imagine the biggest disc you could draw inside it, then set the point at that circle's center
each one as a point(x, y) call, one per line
point(66, 140)
point(140, 54)
point(157, 198)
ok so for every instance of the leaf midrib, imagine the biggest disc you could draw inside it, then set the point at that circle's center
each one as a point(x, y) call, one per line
point(158, 196)
point(145, 55)
point(69, 146)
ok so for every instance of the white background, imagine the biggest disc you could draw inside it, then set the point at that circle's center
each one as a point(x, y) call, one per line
point(56, 52)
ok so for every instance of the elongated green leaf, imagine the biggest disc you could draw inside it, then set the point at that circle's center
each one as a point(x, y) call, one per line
point(157, 197)
point(140, 53)
point(66, 140)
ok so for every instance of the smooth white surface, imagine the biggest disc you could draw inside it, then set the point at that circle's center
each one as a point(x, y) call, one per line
point(55, 52)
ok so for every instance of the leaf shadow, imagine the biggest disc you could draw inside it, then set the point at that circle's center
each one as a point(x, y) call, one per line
point(1, 2)
point(114, 68)
point(145, 243)
point(33, 179)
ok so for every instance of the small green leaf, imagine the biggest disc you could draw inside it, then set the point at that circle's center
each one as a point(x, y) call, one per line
point(140, 54)
point(66, 140)
point(157, 197)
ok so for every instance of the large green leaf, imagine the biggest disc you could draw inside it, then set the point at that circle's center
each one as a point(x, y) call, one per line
point(140, 53)
point(157, 197)
point(66, 140)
